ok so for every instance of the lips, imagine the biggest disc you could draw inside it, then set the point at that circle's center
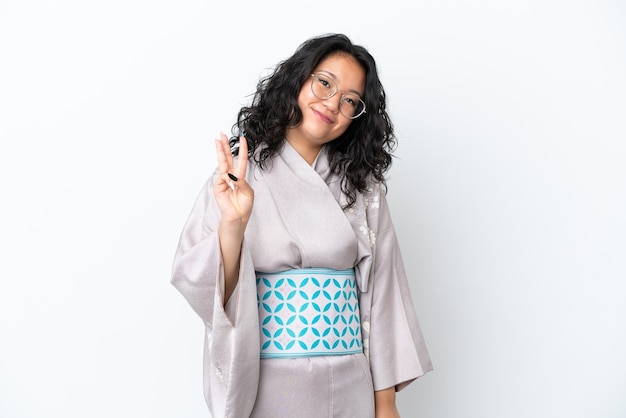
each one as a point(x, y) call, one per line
point(322, 116)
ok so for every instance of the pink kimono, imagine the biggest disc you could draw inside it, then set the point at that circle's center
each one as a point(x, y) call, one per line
point(298, 222)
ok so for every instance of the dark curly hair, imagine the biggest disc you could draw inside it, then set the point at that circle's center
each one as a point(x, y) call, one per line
point(362, 152)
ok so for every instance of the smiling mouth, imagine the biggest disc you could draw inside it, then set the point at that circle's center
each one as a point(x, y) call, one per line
point(323, 116)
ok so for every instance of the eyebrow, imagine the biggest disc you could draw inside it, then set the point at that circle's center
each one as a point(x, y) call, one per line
point(335, 78)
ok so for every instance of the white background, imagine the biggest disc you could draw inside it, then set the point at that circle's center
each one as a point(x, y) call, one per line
point(509, 194)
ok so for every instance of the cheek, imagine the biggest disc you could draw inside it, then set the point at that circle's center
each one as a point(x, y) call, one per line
point(304, 97)
point(301, 103)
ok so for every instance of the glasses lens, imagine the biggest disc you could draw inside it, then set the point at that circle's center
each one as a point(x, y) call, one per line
point(351, 106)
point(323, 86)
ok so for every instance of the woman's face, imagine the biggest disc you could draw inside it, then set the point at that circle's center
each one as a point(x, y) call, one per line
point(322, 121)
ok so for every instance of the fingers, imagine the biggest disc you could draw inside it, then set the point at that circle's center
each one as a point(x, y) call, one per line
point(229, 174)
point(224, 157)
point(222, 163)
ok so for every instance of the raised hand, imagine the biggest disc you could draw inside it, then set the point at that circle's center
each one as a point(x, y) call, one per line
point(234, 195)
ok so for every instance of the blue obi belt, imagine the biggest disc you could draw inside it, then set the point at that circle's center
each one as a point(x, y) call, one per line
point(308, 312)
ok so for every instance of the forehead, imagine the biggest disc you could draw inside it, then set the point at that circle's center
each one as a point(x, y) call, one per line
point(345, 69)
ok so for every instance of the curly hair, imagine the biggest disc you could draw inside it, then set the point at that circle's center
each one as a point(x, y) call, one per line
point(364, 151)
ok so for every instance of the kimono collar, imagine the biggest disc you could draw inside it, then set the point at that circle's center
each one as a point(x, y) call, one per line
point(356, 215)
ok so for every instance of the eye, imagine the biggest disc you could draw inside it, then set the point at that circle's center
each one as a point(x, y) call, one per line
point(351, 101)
point(325, 82)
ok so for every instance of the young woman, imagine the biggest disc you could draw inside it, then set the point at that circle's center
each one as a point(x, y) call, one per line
point(290, 256)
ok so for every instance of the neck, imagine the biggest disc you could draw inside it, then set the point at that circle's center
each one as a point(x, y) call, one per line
point(308, 153)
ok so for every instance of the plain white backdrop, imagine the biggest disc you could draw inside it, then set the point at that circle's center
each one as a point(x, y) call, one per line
point(508, 194)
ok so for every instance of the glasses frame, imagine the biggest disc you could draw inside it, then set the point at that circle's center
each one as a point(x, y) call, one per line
point(343, 95)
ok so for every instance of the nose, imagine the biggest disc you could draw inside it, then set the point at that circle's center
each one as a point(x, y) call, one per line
point(333, 103)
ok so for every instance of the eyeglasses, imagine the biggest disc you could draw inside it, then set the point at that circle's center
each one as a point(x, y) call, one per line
point(324, 87)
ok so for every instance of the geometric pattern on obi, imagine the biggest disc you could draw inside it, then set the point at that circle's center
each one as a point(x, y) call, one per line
point(308, 312)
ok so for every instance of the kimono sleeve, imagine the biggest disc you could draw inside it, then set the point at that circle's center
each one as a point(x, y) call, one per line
point(397, 352)
point(197, 270)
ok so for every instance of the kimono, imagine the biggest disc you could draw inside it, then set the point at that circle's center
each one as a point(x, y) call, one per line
point(298, 221)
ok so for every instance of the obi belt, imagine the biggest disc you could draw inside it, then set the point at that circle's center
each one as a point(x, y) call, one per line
point(308, 312)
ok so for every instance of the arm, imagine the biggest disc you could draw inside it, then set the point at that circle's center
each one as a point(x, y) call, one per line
point(385, 403)
point(205, 255)
point(235, 199)
point(208, 257)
